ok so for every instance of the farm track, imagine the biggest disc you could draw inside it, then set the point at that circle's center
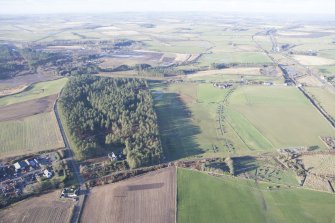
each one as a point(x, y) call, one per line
point(75, 169)
point(221, 119)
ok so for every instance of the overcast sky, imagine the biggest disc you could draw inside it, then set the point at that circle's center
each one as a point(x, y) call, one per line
point(71, 6)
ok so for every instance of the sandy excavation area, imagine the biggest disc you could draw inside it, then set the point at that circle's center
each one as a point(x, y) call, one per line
point(150, 198)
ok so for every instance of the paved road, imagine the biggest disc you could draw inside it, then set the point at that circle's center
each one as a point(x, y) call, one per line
point(75, 169)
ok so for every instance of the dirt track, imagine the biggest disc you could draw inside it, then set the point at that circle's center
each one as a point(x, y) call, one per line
point(27, 108)
point(150, 198)
point(42, 209)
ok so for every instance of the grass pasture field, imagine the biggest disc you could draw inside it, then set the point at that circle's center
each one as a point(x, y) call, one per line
point(188, 116)
point(254, 119)
point(324, 98)
point(31, 134)
point(276, 117)
point(234, 57)
point(237, 200)
point(148, 198)
point(326, 70)
point(35, 91)
point(313, 60)
point(40, 209)
point(229, 71)
point(176, 128)
point(184, 47)
point(309, 80)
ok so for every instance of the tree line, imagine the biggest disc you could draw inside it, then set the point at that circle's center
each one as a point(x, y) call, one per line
point(112, 115)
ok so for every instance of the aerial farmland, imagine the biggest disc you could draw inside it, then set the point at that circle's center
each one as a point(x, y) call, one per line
point(167, 117)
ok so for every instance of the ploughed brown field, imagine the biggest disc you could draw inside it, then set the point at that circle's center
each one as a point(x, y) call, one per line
point(45, 208)
point(150, 198)
point(28, 108)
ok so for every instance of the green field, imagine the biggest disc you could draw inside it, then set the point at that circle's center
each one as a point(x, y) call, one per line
point(188, 120)
point(179, 46)
point(326, 70)
point(35, 91)
point(32, 134)
point(255, 119)
point(234, 57)
point(324, 98)
point(203, 198)
point(234, 77)
point(274, 117)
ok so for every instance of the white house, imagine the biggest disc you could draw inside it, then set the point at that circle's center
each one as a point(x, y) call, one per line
point(47, 173)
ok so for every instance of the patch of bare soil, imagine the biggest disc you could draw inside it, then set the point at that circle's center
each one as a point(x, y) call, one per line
point(150, 198)
point(26, 80)
point(27, 108)
point(45, 208)
point(14, 90)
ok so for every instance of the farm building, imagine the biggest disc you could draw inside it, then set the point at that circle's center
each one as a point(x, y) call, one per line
point(268, 83)
point(223, 85)
point(112, 156)
point(70, 192)
point(32, 162)
point(47, 173)
point(20, 165)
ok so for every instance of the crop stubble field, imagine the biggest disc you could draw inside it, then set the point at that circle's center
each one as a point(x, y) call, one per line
point(31, 134)
point(44, 208)
point(27, 121)
point(149, 198)
point(20, 110)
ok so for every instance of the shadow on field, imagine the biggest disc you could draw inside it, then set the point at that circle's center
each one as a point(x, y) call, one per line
point(244, 164)
point(176, 128)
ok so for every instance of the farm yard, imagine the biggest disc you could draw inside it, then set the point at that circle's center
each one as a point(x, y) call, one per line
point(39, 209)
point(259, 202)
point(30, 134)
point(147, 198)
point(264, 168)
